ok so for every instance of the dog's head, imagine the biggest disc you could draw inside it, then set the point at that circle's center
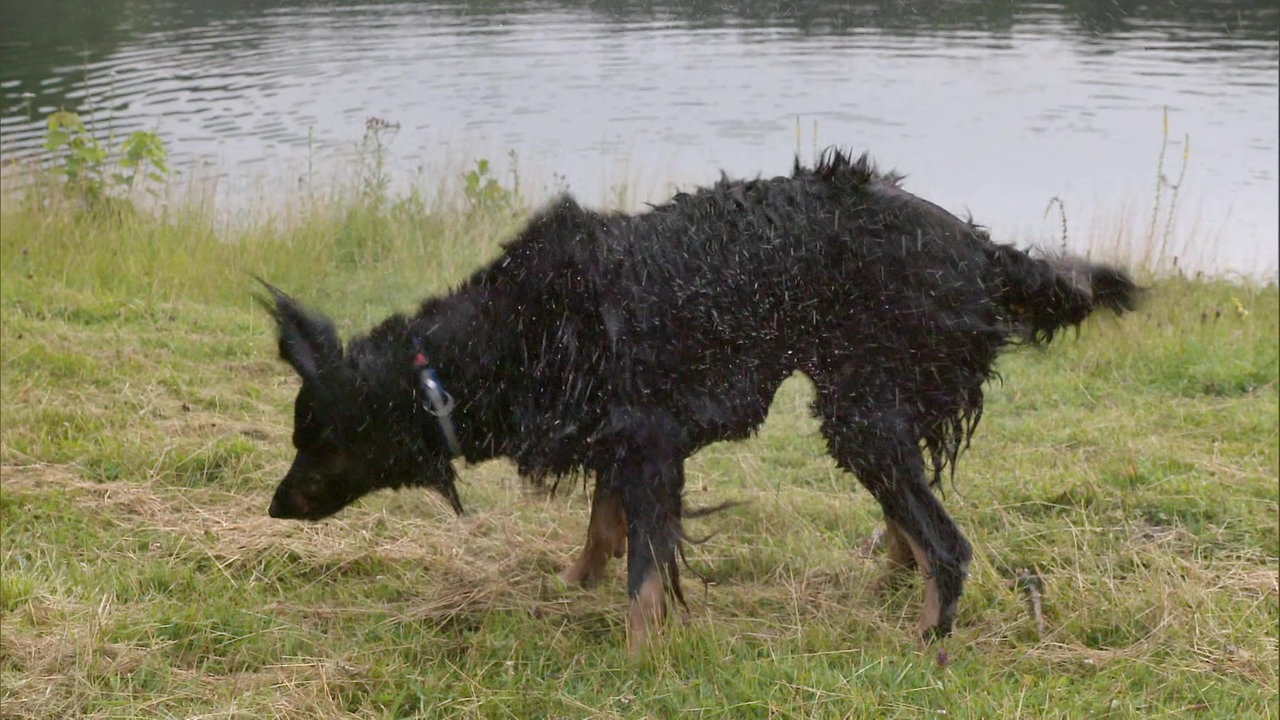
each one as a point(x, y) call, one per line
point(357, 423)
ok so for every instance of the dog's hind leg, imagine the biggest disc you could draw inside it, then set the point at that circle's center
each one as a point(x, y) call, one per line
point(646, 468)
point(877, 444)
point(606, 537)
point(899, 557)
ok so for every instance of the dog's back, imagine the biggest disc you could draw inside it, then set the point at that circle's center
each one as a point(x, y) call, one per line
point(703, 305)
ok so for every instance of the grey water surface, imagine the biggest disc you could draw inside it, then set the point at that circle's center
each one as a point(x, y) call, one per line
point(989, 108)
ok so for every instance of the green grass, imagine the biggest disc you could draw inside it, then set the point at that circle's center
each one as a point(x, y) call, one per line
point(146, 420)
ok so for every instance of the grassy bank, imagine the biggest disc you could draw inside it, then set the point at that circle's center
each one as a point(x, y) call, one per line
point(1132, 470)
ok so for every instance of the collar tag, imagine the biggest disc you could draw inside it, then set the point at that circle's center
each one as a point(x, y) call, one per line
point(438, 402)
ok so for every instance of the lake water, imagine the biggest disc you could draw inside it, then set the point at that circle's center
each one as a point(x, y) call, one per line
point(990, 108)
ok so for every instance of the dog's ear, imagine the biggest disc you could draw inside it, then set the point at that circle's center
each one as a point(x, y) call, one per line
point(308, 341)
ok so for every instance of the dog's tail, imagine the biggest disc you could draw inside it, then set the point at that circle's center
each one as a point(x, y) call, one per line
point(1047, 294)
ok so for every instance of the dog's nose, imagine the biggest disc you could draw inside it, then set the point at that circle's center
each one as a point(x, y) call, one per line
point(275, 510)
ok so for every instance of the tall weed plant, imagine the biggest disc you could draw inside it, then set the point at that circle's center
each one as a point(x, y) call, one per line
point(98, 171)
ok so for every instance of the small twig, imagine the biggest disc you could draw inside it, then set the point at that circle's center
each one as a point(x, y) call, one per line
point(1155, 206)
point(869, 546)
point(1062, 213)
point(1030, 582)
point(1173, 197)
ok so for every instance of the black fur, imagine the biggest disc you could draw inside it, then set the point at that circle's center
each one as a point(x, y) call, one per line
point(618, 345)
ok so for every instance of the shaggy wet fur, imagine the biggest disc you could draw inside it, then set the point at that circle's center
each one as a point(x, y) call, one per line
point(617, 345)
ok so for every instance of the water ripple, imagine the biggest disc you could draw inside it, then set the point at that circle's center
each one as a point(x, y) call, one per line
point(995, 116)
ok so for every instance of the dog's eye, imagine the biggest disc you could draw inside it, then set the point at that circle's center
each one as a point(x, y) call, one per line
point(326, 450)
point(320, 447)
point(315, 432)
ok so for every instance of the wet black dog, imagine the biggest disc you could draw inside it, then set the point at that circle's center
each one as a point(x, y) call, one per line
point(618, 345)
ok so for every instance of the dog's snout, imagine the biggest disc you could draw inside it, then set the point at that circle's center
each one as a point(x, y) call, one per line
point(290, 504)
point(287, 505)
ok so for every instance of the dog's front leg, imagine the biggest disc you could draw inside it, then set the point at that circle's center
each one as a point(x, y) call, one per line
point(647, 451)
